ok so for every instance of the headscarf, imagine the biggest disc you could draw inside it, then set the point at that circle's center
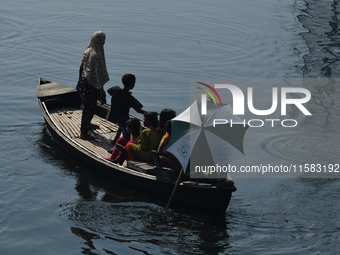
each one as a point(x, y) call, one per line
point(93, 61)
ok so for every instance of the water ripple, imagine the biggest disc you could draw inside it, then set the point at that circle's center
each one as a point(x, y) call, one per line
point(9, 28)
point(304, 148)
point(144, 227)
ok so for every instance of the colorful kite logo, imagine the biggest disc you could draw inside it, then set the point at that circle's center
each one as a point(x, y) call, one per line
point(211, 92)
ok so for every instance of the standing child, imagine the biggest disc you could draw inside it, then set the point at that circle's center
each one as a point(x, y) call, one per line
point(121, 102)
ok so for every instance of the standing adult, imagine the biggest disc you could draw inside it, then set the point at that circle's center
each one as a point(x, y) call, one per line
point(92, 77)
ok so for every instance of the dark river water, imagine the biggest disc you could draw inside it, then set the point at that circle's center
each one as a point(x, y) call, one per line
point(52, 204)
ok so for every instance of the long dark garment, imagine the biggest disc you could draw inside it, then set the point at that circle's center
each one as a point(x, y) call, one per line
point(89, 96)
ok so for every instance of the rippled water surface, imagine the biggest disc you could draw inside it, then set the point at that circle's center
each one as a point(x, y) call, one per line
point(52, 204)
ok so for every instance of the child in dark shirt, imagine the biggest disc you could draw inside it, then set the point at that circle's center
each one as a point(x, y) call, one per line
point(121, 102)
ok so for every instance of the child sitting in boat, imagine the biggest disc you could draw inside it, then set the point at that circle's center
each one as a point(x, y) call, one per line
point(148, 140)
point(121, 102)
point(166, 158)
point(165, 118)
point(133, 127)
point(165, 115)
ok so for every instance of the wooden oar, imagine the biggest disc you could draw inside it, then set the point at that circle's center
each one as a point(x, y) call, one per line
point(175, 188)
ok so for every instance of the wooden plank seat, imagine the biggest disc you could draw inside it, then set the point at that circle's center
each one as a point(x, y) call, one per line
point(144, 167)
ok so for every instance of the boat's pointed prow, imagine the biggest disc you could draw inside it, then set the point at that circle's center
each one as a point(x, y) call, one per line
point(47, 88)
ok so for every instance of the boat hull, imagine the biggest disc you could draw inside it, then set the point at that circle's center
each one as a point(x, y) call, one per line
point(213, 198)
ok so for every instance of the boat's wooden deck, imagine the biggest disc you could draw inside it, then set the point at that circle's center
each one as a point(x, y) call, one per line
point(69, 119)
point(69, 122)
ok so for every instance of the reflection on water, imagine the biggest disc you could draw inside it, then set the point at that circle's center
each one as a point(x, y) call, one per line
point(320, 19)
point(315, 140)
point(145, 228)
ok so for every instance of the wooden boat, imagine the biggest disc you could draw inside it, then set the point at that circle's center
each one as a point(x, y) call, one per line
point(60, 107)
